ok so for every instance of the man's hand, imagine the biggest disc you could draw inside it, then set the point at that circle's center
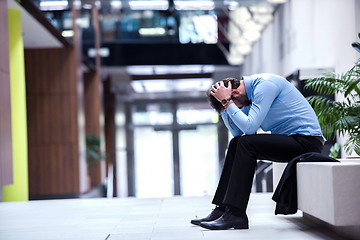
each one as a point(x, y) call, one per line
point(219, 91)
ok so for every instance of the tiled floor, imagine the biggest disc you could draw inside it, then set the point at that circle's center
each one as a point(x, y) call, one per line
point(144, 219)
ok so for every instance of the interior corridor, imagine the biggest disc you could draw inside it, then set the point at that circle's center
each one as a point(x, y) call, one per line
point(145, 219)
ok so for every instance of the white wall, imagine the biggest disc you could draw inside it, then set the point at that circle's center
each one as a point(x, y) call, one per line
point(357, 16)
point(307, 34)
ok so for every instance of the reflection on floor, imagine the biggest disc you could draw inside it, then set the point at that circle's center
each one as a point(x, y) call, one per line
point(150, 219)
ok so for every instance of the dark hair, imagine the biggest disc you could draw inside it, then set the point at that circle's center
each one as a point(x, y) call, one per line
point(214, 103)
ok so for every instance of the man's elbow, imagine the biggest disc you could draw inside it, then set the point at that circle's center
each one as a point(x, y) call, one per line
point(250, 131)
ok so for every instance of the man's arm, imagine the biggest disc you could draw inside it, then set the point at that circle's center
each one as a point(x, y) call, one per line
point(264, 95)
point(235, 131)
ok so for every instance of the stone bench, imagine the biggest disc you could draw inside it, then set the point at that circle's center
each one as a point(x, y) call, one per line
point(329, 192)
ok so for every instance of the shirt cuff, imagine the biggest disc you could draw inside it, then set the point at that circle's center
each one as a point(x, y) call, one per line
point(232, 108)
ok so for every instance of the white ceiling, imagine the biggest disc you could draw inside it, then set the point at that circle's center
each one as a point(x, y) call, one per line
point(35, 35)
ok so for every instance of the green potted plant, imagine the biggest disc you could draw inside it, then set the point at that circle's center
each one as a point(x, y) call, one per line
point(93, 153)
point(339, 117)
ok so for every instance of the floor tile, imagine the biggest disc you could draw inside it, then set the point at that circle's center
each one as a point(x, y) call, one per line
point(144, 219)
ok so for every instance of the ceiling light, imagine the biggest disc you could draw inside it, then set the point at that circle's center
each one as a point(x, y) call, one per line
point(262, 9)
point(148, 14)
point(194, 5)
point(251, 25)
point(157, 85)
point(263, 18)
point(240, 15)
point(243, 49)
point(97, 4)
point(152, 31)
point(140, 70)
point(116, 4)
point(67, 33)
point(169, 69)
point(252, 36)
point(183, 69)
point(171, 85)
point(206, 26)
point(231, 4)
point(87, 6)
point(83, 22)
point(196, 84)
point(137, 86)
point(235, 59)
point(76, 4)
point(243, 41)
point(277, 1)
point(53, 5)
point(102, 52)
point(147, 5)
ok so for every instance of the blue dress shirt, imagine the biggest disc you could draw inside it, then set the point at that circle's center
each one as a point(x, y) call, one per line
point(277, 106)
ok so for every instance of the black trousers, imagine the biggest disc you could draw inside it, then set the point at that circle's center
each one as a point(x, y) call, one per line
point(241, 159)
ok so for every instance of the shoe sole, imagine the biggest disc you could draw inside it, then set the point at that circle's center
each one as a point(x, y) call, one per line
point(224, 228)
point(195, 223)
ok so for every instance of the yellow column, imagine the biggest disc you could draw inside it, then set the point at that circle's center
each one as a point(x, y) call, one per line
point(19, 190)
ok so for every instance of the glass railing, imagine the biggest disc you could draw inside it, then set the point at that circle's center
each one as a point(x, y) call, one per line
point(234, 26)
point(129, 25)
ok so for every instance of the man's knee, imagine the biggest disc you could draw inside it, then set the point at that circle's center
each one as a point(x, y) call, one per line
point(233, 142)
point(246, 142)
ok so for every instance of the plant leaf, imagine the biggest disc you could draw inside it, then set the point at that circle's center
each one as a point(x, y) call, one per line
point(356, 46)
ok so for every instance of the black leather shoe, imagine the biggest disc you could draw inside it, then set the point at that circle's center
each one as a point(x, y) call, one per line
point(226, 221)
point(215, 214)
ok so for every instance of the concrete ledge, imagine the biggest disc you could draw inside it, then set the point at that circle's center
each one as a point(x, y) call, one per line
point(278, 169)
point(350, 232)
point(330, 191)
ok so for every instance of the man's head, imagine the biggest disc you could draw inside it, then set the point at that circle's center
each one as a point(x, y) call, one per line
point(238, 94)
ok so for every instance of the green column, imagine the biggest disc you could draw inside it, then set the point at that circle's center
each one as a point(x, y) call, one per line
point(19, 190)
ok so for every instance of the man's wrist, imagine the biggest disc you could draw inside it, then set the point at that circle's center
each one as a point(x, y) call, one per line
point(228, 104)
point(225, 101)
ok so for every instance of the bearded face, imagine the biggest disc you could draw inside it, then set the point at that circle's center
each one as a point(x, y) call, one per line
point(241, 100)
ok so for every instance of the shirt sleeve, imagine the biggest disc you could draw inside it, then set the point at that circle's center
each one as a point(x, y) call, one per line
point(235, 131)
point(265, 93)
